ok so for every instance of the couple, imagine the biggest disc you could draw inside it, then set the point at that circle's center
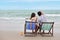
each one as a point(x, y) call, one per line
point(39, 20)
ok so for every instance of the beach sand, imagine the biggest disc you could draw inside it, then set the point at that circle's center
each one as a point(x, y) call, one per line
point(11, 30)
point(13, 35)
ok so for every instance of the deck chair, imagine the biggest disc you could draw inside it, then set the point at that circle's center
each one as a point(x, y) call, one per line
point(47, 26)
point(29, 26)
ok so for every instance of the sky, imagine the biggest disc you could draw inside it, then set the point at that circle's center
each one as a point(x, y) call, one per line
point(29, 4)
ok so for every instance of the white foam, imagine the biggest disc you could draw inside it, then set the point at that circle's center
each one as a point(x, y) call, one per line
point(52, 15)
point(8, 18)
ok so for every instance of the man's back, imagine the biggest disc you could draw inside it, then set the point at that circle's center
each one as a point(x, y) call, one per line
point(41, 18)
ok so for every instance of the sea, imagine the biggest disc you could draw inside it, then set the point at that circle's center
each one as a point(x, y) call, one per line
point(21, 14)
point(14, 19)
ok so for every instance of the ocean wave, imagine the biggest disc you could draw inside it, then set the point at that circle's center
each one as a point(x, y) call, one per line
point(51, 15)
point(12, 18)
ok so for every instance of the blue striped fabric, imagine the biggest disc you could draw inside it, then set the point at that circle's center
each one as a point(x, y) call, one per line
point(30, 26)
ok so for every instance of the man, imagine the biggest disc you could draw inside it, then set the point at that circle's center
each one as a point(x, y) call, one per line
point(40, 19)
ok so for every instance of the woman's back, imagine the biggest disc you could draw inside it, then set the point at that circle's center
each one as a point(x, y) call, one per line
point(34, 19)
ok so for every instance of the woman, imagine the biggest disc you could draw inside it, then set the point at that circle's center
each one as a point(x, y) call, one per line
point(33, 18)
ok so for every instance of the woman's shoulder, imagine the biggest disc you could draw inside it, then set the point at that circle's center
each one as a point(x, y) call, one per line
point(34, 18)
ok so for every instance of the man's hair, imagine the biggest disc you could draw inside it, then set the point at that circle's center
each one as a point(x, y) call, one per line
point(39, 13)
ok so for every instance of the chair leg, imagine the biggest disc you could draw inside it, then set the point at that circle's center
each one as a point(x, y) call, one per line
point(52, 31)
point(43, 31)
point(25, 29)
point(51, 34)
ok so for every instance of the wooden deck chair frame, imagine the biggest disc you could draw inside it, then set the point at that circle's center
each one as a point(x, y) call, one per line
point(28, 32)
point(51, 29)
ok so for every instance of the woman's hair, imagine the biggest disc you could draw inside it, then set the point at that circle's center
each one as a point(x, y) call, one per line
point(32, 15)
point(39, 13)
